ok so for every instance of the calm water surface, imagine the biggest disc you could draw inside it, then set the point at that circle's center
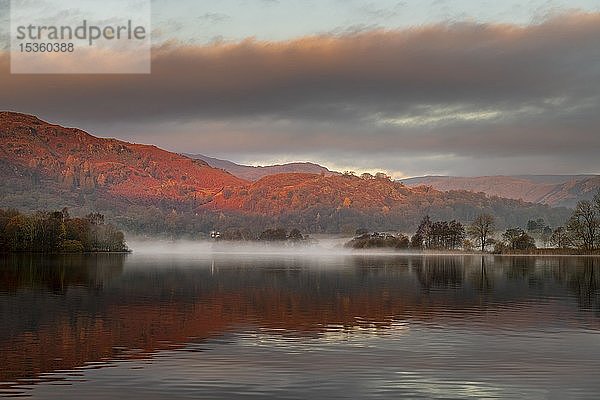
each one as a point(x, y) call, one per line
point(299, 326)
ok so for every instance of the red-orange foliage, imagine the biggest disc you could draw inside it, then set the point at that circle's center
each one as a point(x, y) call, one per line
point(70, 162)
point(79, 160)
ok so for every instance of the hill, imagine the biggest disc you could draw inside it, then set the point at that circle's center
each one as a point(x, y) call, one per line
point(80, 162)
point(553, 190)
point(341, 203)
point(254, 173)
point(144, 189)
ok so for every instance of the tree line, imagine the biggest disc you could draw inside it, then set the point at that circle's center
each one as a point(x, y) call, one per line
point(581, 232)
point(57, 231)
point(583, 228)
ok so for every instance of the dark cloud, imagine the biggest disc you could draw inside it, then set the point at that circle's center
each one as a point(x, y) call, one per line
point(459, 90)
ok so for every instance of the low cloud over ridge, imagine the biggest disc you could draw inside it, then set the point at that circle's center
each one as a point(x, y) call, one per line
point(454, 90)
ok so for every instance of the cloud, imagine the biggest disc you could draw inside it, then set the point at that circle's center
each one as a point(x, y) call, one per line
point(213, 18)
point(373, 11)
point(4, 25)
point(453, 89)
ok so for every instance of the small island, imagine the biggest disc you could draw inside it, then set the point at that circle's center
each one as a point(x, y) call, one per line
point(58, 232)
point(377, 240)
point(269, 236)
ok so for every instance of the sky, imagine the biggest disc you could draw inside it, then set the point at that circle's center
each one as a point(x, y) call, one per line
point(410, 88)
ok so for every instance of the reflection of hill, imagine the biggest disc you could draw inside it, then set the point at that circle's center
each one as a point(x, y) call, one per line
point(101, 312)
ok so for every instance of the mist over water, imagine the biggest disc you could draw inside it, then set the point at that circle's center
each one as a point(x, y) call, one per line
point(324, 246)
point(321, 246)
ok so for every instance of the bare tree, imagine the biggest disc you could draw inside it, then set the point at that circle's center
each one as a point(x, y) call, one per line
point(584, 224)
point(481, 229)
point(560, 238)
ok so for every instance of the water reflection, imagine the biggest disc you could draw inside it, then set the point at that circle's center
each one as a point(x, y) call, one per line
point(584, 283)
point(63, 312)
point(439, 272)
point(58, 272)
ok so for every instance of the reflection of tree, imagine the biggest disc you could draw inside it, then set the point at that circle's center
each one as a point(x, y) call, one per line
point(481, 278)
point(440, 272)
point(519, 268)
point(585, 281)
point(58, 272)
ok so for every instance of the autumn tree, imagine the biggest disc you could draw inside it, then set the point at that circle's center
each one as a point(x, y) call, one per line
point(19, 233)
point(78, 229)
point(50, 232)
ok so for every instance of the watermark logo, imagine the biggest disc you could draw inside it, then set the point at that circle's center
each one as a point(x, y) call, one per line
point(80, 36)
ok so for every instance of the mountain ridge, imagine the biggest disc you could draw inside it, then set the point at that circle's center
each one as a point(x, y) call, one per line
point(552, 190)
point(254, 173)
point(147, 189)
point(78, 160)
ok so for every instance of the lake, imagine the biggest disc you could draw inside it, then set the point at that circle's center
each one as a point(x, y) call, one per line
point(308, 324)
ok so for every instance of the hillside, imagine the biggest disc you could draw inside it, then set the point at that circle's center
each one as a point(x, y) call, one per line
point(80, 162)
point(322, 203)
point(553, 190)
point(252, 173)
point(148, 190)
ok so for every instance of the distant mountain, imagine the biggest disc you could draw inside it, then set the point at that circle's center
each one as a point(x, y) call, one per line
point(553, 190)
point(251, 173)
point(148, 190)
